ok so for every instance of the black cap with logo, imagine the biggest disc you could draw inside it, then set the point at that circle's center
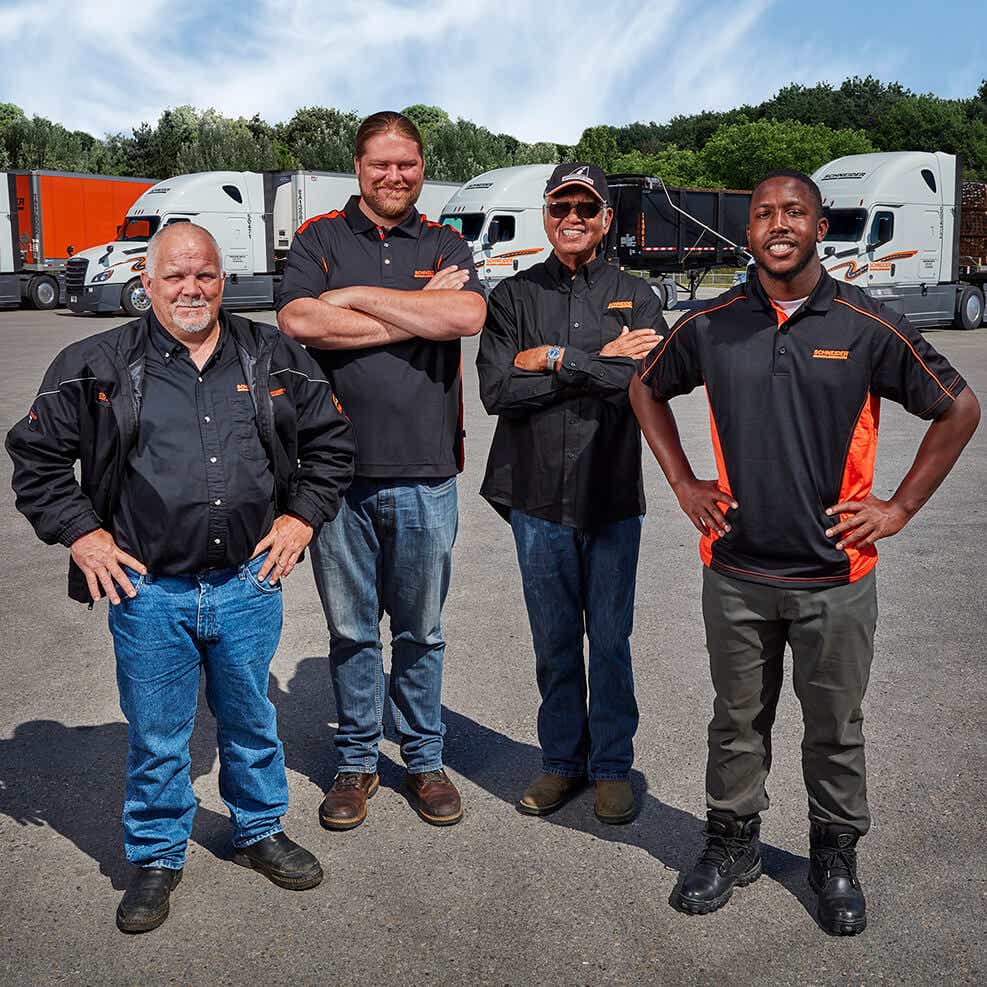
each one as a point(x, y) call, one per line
point(579, 173)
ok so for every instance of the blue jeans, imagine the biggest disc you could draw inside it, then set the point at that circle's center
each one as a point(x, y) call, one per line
point(580, 581)
point(229, 624)
point(388, 550)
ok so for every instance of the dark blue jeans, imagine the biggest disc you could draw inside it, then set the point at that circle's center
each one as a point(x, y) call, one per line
point(388, 550)
point(580, 582)
point(229, 624)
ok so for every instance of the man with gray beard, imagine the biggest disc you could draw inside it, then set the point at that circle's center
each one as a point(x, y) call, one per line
point(211, 449)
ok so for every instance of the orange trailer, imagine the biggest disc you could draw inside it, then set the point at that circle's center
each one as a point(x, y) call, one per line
point(54, 214)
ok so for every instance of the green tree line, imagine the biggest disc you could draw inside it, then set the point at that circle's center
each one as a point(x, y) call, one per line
point(800, 127)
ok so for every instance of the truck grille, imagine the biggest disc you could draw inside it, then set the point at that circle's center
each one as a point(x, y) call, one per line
point(75, 275)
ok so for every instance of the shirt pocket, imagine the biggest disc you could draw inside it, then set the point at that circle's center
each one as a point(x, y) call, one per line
point(243, 421)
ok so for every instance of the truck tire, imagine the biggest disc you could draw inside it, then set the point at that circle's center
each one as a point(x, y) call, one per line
point(133, 299)
point(42, 292)
point(659, 289)
point(969, 308)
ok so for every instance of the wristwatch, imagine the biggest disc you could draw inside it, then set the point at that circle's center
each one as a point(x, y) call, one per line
point(552, 358)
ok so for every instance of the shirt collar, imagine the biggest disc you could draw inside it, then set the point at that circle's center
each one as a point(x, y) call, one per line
point(820, 298)
point(168, 345)
point(589, 272)
point(359, 222)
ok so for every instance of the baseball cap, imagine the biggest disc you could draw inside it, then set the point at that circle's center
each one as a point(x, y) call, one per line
point(579, 173)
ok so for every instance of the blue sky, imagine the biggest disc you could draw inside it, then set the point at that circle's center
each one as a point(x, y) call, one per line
point(538, 71)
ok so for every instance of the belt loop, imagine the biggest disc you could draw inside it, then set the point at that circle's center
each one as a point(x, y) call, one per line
point(148, 578)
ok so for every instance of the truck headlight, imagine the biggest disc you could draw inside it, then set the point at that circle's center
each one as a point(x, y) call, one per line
point(103, 276)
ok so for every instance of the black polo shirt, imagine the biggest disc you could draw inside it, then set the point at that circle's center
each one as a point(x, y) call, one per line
point(404, 399)
point(794, 414)
point(198, 490)
point(567, 447)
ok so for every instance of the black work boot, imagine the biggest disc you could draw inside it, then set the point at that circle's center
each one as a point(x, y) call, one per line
point(145, 902)
point(281, 861)
point(833, 876)
point(732, 857)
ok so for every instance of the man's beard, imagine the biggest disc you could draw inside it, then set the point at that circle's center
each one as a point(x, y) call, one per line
point(793, 273)
point(191, 326)
point(390, 202)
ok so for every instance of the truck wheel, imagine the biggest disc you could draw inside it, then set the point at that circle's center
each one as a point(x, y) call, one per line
point(969, 309)
point(134, 299)
point(42, 292)
point(659, 289)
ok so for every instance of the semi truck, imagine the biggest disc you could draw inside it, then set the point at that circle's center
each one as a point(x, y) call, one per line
point(657, 231)
point(46, 217)
point(252, 215)
point(905, 228)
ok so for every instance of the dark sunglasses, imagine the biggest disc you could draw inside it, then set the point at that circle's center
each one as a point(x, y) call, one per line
point(584, 210)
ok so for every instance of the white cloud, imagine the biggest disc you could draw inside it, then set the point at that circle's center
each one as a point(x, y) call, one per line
point(538, 72)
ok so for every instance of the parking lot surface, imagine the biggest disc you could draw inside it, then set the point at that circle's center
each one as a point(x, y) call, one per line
point(503, 898)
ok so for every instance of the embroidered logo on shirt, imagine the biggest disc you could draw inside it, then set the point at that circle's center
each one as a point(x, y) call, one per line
point(277, 392)
point(424, 274)
point(102, 398)
point(339, 407)
point(243, 389)
point(621, 305)
point(831, 354)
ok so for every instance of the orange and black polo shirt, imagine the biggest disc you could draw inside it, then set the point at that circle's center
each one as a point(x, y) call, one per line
point(404, 400)
point(794, 412)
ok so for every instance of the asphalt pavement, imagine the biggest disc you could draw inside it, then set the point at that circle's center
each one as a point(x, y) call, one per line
point(503, 898)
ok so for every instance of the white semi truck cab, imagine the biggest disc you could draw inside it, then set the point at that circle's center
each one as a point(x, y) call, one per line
point(895, 226)
point(252, 215)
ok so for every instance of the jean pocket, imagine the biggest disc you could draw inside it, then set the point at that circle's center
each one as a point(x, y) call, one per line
point(251, 569)
point(438, 487)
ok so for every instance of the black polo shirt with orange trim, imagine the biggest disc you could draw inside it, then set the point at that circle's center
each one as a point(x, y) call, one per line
point(794, 412)
point(405, 399)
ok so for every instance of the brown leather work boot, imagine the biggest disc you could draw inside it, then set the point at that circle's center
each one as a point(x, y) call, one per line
point(614, 802)
point(549, 792)
point(434, 797)
point(345, 804)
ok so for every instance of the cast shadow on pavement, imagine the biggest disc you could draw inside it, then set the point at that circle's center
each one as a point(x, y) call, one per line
point(502, 766)
point(72, 779)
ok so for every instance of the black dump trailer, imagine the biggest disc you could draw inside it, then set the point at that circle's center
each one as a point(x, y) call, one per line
point(664, 230)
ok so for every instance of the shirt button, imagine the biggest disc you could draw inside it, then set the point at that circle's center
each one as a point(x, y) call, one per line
point(219, 541)
point(387, 260)
point(200, 380)
point(218, 502)
point(212, 459)
point(575, 325)
point(167, 355)
point(206, 418)
point(782, 350)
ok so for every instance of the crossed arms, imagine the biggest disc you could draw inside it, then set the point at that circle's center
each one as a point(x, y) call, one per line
point(361, 316)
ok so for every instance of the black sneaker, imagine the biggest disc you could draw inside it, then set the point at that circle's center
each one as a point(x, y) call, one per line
point(731, 858)
point(833, 876)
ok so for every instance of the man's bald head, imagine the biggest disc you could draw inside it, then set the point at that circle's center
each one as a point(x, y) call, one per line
point(171, 234)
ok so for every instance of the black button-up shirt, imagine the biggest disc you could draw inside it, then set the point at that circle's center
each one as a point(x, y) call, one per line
point(567, 446)
point(198, 492)
point(404, 399)
point(794, 411)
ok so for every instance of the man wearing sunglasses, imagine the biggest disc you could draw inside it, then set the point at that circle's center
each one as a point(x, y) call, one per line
point(555, 360)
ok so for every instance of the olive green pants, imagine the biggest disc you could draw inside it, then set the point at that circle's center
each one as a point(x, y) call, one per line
point(831, 634)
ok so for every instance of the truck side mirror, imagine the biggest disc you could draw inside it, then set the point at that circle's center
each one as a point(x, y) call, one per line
point(493, 233)
point(829, 250)
point(70, 250)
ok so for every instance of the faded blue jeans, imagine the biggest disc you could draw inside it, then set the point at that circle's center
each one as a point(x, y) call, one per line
point(389, 550)
point(581, 582)
point(228, 624)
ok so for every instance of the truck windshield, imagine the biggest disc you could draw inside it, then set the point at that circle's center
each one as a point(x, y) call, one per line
point(845, 225)
point(467, 223)
point(139, 227)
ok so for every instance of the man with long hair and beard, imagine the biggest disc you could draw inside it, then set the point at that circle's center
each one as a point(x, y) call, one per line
point(794, 364)
point(381, 296)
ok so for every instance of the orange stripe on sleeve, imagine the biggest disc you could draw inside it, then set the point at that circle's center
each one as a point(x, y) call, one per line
point(686, 320)
point(887, 325)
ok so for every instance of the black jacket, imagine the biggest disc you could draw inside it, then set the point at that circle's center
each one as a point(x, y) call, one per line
point(87, 411)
